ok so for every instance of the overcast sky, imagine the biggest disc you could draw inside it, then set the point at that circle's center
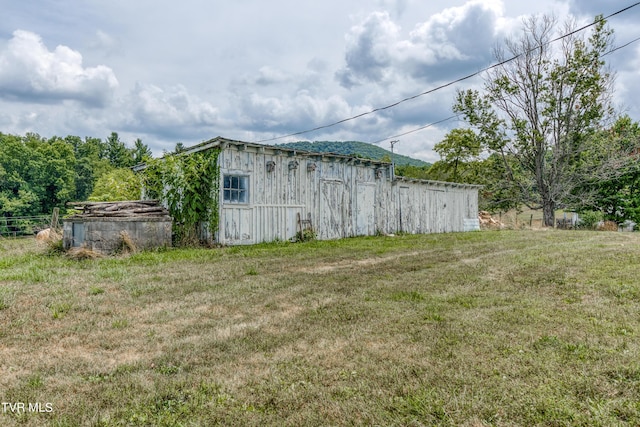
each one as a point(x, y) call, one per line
point(187, 71)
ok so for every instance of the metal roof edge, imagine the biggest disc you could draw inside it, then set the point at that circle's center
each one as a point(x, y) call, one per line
point(205, 145)
point(219, 141)
point(443, 183)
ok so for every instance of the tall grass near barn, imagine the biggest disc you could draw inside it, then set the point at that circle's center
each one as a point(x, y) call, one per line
point(485, 328)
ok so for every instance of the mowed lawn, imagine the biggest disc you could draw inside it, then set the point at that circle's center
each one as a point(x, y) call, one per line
point(486, 328)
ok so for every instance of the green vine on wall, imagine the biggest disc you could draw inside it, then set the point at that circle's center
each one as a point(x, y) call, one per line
point(188, 184)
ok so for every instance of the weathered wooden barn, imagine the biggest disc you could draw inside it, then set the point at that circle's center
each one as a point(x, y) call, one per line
point(270, 193)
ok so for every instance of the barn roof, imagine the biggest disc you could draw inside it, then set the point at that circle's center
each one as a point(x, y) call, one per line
point(220, 142)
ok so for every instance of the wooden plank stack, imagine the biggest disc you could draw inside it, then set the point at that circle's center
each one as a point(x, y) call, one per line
point(124, 209)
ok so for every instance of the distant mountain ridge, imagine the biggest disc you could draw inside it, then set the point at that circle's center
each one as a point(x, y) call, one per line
point(354, 148)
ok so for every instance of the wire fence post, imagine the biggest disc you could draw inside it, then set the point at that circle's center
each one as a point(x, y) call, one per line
point(54, 218)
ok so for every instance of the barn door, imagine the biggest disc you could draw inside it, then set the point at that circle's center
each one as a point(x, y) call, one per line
point(331, 221)
point(78, 234)
point(365, 209)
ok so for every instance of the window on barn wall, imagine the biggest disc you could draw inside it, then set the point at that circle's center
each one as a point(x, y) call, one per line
point(236, 189)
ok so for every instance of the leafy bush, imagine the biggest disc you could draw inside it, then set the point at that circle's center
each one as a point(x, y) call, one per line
point(590, 219)
point(118, 184)
point(305, 235)
point(188, 185)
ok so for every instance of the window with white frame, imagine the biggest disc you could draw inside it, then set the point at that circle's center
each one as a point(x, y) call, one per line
point(235, 189)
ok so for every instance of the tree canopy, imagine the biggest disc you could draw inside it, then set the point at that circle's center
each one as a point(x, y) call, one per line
point(38, 174)
point(539, 110)
point(617, 196)
point(117, 184)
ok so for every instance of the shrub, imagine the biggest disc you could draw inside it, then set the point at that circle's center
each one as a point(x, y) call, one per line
point(118, 184)
point(590, 219)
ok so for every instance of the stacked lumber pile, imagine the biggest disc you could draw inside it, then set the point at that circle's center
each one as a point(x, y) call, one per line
point(127, 209)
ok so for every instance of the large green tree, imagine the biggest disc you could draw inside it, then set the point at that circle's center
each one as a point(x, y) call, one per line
point(17, 195)
point(141, 152)
point(56, 177)
point(618, 196)
point(91, 163)
point(117, 152)
point(36, 174)
point(540, 108)
point(462, 160)
point(460, 157)
point(39, 174)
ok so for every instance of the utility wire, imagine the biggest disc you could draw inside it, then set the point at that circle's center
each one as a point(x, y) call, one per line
point(457, 116)
point(461, 79)
point(416, 130)
point(621, 47)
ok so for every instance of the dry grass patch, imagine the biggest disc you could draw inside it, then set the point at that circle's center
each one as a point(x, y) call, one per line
point(82, 253)
point(489, 328)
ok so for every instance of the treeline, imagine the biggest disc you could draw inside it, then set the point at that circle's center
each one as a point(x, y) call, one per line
point(39, 174)
point(609, 189)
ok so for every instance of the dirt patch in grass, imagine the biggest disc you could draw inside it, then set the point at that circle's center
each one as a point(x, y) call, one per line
point(489, 328)
point(358, 263)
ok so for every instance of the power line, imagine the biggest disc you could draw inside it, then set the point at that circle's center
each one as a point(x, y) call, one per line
point(416, 130)
point(457, 115)
point(621, 47)
point(461, 79)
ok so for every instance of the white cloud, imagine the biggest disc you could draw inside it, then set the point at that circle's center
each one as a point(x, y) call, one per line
point(281, 113)
point(398, 7)
point(170, 112)
point(270, 75)
point(592, 8)
point(369, 50)
point(627, 82)
point(29, 71)
point(105, 42)
point(454, 38)
point(253, 70)
point(464, 33)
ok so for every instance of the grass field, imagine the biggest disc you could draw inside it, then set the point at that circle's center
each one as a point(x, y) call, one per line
point(526, 218)
point(500, 328)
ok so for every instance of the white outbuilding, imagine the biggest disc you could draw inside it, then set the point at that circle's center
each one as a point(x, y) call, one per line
point(270, 193)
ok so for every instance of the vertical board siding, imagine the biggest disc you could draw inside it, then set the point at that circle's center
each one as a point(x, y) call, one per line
point(345, 197)
point(365, 209)
point(332, 210)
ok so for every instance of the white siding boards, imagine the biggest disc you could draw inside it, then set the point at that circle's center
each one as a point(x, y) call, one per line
point(264, 190)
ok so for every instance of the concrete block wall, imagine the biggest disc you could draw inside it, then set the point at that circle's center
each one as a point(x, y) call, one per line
point(105, 234)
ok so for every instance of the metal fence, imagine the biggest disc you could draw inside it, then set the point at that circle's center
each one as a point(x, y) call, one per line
point(24, 225)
